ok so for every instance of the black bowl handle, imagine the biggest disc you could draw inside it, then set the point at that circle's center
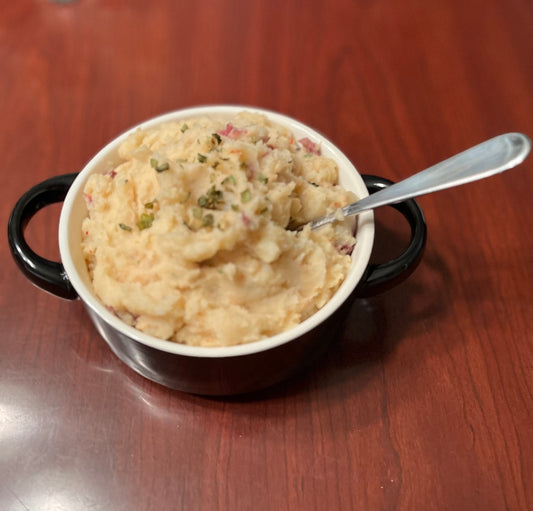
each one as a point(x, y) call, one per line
point(381, 277)
point(47, 275)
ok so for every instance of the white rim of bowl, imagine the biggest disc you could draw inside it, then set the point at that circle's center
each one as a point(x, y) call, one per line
point(365, 230)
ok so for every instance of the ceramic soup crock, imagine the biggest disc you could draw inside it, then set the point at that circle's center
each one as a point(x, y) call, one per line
point(209, 370)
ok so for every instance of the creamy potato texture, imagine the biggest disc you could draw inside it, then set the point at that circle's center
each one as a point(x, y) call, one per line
point(187, 238)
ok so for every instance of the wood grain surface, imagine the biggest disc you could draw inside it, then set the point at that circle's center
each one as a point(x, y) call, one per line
point(424, 402)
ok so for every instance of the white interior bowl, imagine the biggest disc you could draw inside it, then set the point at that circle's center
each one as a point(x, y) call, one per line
point(205, 369)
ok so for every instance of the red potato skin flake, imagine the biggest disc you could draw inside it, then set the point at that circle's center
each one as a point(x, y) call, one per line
point(88, 199)
point(231, 131)
point(246, 220)
point(310, 146)
point(345, 248)
point(250, 172)
point(111, 173)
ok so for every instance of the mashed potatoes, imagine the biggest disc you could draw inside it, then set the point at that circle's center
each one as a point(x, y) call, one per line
point(187, 238)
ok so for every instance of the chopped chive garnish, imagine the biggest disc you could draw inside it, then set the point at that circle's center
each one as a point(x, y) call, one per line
point(235, 207)
point(211, 199)
point(160, 167)
point(246, 195)
point(124, 227)
point(229, 179)
point(263, 179)
point(149, 205)
point(213, 141)
point(208, 220)
point(202, 158)
point(184, 128)
point(145, 221)
point(197, 212)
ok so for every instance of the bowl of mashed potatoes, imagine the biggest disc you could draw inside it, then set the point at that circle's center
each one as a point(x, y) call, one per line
point(179, 238)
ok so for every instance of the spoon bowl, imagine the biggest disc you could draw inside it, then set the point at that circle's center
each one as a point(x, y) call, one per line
point(483, 160)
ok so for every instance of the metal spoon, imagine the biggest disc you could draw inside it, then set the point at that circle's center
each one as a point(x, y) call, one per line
point(495, 155)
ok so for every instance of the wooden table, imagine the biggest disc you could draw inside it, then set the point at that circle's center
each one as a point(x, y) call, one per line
point(425, 400)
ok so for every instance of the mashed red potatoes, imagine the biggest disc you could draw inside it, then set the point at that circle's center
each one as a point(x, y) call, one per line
point(187, 240)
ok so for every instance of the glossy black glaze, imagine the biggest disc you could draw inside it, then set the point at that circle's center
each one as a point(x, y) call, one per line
point(47, 275)
point(221, 376)
point(381, 277)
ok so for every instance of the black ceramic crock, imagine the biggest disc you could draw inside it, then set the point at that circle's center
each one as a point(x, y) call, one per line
point(207, 370)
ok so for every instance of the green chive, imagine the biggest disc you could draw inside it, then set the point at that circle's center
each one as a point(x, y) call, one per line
point(145, 221)
point(246, 195)
point(208, 220)
point(160, 167)
point(229, 179)
point(263, 179)
point(211, 199)
point(184, 128)
point(124, 227)
point(197, 212)
point(216, 136)
point(202, 158)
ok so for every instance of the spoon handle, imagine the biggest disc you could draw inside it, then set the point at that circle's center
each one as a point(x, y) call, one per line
point(495, 155)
